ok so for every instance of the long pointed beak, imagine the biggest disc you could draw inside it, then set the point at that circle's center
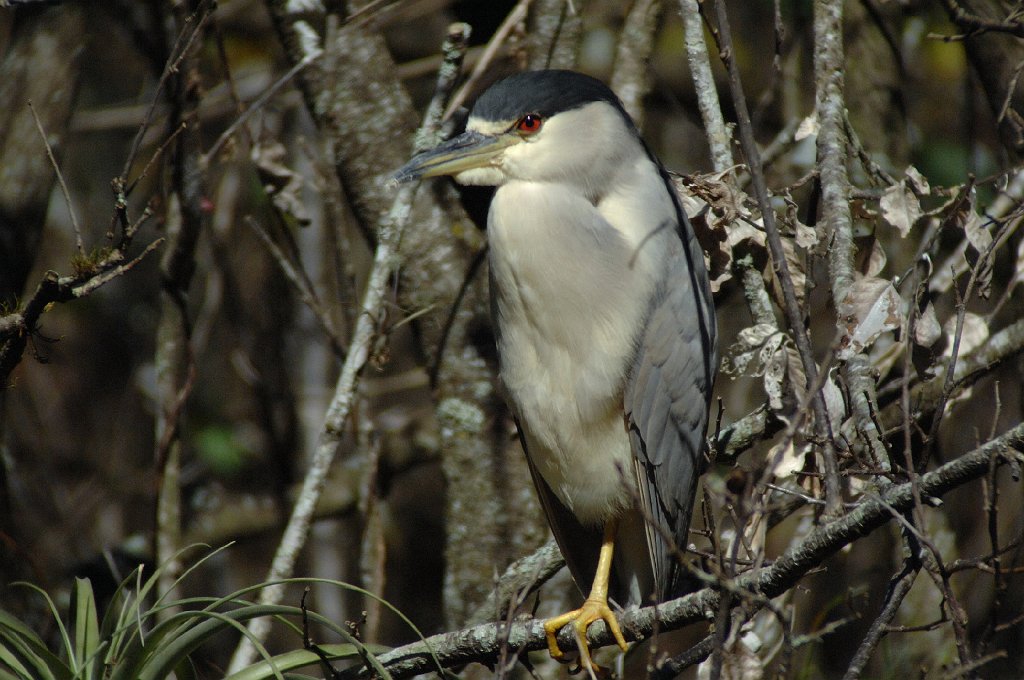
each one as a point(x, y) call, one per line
point(469, 150)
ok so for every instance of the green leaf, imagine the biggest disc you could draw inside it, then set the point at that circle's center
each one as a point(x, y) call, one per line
point(87, 629)
point(24, 652)
point(56, 617)
point(201, 626)
point(23, 656)
point(123, 605)
point(292, 660)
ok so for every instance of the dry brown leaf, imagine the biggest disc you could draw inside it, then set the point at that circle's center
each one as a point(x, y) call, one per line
point(796, 261)
point(747, 346)
point(835, 403)
point(927, 330)
point(901, 207)
point(764, 351)
point(980, 239)
point(917, 181)
point(806, 236)
point(862, 294)
point(876, 260)
point(715, 208)
point(754, 336)
point(974, 227)
point(743, 231)
point(872, 307)
point(790, 460)
point(808, 127)
point(282, 184)
point(862, 210)
point(962, 212)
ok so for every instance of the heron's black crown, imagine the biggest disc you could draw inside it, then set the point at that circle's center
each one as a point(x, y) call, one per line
point(545, 93)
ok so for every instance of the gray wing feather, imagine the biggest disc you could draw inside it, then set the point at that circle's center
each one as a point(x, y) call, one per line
point(666, 404)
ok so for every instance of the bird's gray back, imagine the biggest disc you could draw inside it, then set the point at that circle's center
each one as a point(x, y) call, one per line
point(667, 400)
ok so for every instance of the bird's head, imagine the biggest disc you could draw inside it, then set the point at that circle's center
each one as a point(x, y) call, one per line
point(538, 126)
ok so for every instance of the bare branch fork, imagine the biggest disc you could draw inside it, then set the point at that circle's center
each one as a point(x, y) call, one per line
point(179, 50)
point(18, 327)
point(93, 271)
point(1013, 24)
point(483, 643)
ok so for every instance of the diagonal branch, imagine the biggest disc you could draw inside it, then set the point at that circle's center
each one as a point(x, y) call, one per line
point(386, 261)
point(719, 139)
point(60, 179)
point(483, 643)
point(1013, 24)
point(794, 315)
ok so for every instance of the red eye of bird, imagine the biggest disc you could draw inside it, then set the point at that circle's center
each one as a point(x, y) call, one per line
point(529, 124)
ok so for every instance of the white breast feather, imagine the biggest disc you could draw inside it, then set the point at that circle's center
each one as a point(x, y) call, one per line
point(572, 284)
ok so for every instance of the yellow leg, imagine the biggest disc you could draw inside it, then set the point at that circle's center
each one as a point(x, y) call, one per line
point(595, 607)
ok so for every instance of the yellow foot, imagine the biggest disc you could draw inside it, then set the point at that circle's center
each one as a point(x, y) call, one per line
point(591, 611)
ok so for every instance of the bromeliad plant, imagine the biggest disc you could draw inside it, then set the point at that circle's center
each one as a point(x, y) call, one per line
point(136, 641)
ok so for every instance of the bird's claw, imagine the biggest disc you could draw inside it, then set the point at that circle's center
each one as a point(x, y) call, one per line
point(591, 611)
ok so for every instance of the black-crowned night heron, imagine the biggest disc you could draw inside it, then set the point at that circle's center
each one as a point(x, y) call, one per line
point(605, 328)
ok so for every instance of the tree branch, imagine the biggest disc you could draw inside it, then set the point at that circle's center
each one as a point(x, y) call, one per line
point(631, 79)
point(977, 24)
point(794, 315)
point(719, 139)
point(835, 208)
point(386, 261)
point(483, 643)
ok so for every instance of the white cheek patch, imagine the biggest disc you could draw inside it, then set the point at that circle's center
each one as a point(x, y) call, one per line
point(488, 127)
point(490, 176)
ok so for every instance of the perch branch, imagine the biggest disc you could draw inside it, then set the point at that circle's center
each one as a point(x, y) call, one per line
point(483, 643)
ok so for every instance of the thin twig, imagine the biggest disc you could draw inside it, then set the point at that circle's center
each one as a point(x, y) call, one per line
point(156, 154)
point(453, 51)
point(301, 285)
point(16, 329)
point(898, 589)
point(60, 180)
point(482, 643)
point(983, 263)
point(514, 18)
point(106, 275)
point(178, 52)
point(174, 356)
point(255, 106)
point(835, 190)
point(794, 316)
point(936, 567)
point(976, 25)
point(671, 668)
